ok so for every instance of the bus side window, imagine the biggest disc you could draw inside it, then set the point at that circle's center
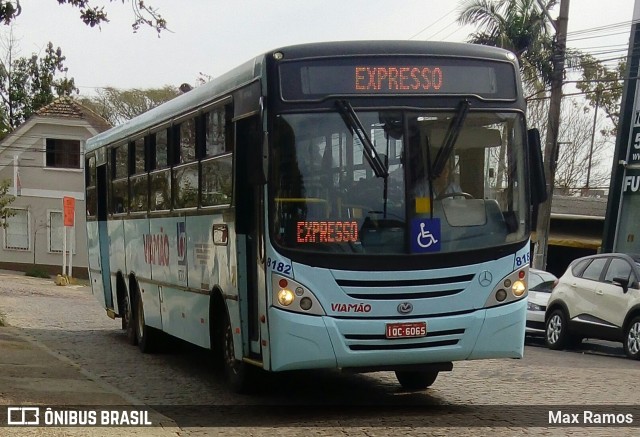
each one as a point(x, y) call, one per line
point(216, 168)
point(185, 175)
point(120, 179)
point(90, 180)
point(215, 132)
point(187, 141)
point(160, 176)
point(139, 198)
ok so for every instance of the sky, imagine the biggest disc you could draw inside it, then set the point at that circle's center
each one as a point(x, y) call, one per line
point(213, 36)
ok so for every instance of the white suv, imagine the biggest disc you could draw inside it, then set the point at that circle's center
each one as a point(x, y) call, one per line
point(597, 297)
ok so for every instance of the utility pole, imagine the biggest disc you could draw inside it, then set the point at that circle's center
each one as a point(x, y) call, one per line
point(593, 136)
point(551, 145)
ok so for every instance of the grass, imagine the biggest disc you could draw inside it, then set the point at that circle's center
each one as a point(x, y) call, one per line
point(37, 273)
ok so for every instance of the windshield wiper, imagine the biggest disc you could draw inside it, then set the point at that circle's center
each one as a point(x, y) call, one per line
point(450, 138)
point(353, 123)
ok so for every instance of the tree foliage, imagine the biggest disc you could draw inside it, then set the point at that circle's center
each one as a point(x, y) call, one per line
point(516, 25)
point(117, 106)
point(29, 83)
point(576, 148)
point(603, 87)
point(5, 200)
point(144, 15)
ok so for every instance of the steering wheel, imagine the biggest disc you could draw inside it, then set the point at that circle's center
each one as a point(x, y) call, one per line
point(456, 194)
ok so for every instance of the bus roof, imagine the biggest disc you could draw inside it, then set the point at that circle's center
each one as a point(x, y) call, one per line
point(253, 69)
point(183, 104)
point(396, 48)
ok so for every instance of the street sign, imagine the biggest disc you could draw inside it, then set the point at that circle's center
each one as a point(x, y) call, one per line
point(69, 207)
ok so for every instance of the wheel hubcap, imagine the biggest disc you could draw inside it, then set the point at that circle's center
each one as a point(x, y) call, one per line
point(633, 340)
point(554, 328)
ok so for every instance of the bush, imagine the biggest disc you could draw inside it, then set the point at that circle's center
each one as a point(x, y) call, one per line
point(37, 273)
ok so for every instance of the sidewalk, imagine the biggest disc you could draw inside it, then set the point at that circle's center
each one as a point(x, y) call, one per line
point(33, 374)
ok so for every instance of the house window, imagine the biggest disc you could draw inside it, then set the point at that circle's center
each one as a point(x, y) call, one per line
point(63, 153)
point(56, 233)
point(16, 234)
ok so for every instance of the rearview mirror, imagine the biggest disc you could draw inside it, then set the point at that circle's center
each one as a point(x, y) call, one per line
point(536, 168)
point(622, 282)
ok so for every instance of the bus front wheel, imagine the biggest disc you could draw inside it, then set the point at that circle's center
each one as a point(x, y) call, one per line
point(144, 334)
point(239, 376)
point(415, 379)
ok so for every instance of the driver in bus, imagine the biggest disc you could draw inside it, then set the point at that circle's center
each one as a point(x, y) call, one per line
point(442, 185)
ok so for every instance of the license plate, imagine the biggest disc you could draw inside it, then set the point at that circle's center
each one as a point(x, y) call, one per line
point(406, 330)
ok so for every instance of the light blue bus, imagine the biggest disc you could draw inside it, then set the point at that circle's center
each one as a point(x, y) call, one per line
point(363, 206)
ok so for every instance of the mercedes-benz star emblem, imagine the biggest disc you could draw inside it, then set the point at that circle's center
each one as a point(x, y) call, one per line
point(485, 278)
point(405, 308)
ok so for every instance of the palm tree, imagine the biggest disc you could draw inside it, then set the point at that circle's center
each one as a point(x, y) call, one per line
point(516, 25)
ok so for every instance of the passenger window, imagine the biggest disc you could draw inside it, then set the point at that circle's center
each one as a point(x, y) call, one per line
point(161, 153)
point(579, 267)
point(618, 268)
point(594, 270)
point(120, 183)
point(138, 156)
point(215, 127)
point(187, 141)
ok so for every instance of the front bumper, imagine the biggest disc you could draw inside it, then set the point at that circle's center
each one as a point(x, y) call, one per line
point(300, 341)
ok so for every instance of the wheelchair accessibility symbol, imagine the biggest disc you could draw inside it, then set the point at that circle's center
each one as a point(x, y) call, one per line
point(425, 235)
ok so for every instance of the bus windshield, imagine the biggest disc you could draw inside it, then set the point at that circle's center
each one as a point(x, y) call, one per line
point(452, 181)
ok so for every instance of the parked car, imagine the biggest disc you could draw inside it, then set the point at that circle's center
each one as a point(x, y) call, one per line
point(541, 284)
point(597, 297)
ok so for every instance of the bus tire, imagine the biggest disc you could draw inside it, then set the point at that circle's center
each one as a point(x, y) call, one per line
point(238, 375)
point(144, 334)
point(128, 319)
point(416, 379)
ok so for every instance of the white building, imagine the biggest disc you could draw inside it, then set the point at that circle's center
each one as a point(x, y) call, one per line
point(44, 161)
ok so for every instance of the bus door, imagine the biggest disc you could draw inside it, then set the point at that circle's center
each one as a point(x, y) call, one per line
point(103, 234)
point(249, 212)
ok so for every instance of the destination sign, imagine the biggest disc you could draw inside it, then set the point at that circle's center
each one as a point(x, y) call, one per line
point(398, 78)
point(326, 231)
point(320, 78)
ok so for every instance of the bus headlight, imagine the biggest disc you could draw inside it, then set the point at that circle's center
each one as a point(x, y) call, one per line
point(293, 296)
point(515, 282)
point(285, 297)
point(518, 288)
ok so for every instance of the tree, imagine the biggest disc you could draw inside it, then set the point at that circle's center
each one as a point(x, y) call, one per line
point(575, 149)
point(603, 87)
point(516, 25)
point(144, 15)
point(5, 201)
point(117, 106)
point(28, 84)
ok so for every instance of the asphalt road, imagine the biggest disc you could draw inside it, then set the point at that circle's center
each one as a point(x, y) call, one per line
point(489, 397)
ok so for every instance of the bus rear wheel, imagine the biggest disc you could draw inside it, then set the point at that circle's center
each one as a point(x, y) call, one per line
point(128, 320)
point(415, 379)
